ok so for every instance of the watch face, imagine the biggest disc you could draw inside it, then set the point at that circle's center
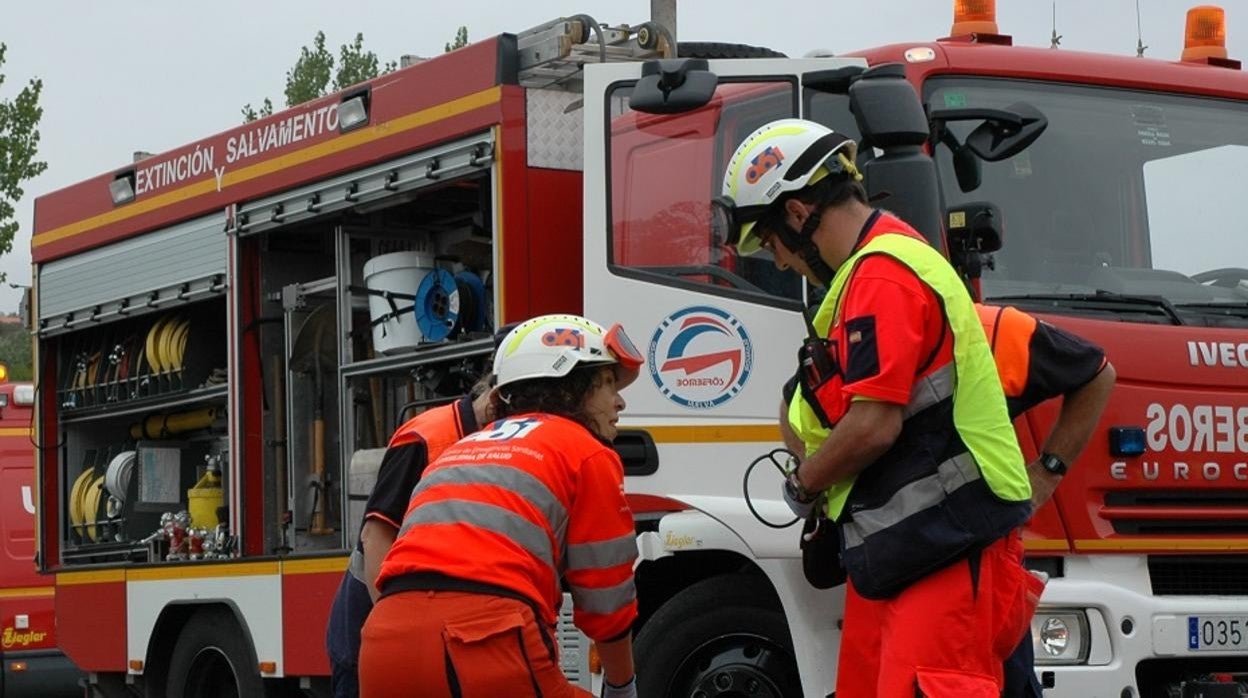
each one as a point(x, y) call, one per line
point(1053, 464)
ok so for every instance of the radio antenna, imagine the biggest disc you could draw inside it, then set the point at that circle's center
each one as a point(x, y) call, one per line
point(1056, 38)
point(1139, 33)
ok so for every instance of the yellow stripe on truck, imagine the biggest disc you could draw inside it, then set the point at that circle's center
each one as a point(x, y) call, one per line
point(27, 592)
point(90, 577)
point(203, 571)
point(424, 117)
point(322, 565)
point(714, 433)
point(1163, 544)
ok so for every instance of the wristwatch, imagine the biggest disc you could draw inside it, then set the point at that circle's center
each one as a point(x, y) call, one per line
point(1053, 464)
point(797, 491)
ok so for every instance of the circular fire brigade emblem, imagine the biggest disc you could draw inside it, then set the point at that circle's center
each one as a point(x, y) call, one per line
point(700, 357)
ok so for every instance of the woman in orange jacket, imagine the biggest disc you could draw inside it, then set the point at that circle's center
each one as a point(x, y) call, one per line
point(471, 588)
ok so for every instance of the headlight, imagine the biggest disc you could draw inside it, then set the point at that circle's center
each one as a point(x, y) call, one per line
point(1060, 636)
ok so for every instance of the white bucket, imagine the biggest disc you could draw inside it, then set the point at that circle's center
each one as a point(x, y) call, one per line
point(401, 273)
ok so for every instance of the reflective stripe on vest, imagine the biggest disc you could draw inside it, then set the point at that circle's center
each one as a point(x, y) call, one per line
point(602, 554)
point(605, 599)
point(979, 410)
point(515, 480)
point(526, 534)
point(924, 493)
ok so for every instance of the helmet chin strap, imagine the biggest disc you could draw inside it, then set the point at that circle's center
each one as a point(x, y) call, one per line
point(802, 242)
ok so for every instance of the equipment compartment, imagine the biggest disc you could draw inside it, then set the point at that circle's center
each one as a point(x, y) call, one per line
point(364, 317)
point(142, 417)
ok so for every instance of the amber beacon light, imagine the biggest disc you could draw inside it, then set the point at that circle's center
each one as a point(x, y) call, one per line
point(1205, 35)
point(974, 17)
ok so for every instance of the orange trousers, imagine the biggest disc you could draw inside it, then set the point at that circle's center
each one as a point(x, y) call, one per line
point(448, 644)
point(944, 636)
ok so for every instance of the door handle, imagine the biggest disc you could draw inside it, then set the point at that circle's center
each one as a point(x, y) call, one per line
point(637, 450)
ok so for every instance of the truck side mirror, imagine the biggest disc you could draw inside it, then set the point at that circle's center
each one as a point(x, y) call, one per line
point(887, 109)
point(891, 119)
point(673, 85)
point(834, 81)
point(999, 139)
point(1003, 134)
point(966, 164)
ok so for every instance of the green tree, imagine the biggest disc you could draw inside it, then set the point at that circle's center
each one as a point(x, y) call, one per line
point(461, 40)
point(310, 77)
point(250, 114)
point(19, 146)
point(355, 65)
point(15, 352)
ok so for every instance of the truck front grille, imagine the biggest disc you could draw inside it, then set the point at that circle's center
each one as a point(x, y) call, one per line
point(1199, 575)
point(1177, 512)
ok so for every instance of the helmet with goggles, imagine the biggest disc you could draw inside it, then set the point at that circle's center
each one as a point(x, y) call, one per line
point(783, 156)
point(550, 346)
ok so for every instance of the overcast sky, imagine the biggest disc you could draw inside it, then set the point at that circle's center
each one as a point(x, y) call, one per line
point(147, 75)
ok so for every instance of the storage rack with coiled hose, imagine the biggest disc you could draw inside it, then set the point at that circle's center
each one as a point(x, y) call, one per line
point(149, 379)
point(140, 359)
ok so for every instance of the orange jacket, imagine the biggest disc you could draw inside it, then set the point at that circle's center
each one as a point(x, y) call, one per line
point(1036, 361)
point(519, 505)
point(415, 444)
point(438, 427)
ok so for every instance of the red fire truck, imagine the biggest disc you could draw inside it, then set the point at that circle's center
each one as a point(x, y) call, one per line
point(33, 666)
point(341, 264)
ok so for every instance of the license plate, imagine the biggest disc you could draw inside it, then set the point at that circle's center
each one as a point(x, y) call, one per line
point(1217, 632)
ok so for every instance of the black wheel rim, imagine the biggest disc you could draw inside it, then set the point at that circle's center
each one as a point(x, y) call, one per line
point(735, 665)
point(211, 675)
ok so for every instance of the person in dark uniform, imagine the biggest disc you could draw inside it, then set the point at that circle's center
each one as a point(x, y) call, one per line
point(1038, 362)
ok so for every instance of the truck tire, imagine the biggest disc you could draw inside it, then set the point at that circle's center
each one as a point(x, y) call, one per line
point(213, 659)
point(724, 636)
point(715, 49)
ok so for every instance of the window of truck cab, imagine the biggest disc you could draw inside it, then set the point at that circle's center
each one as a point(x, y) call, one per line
point(1129, 205)
point(663, 172)
point(665, 169)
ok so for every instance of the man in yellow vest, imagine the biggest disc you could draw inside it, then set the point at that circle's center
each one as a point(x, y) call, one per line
point(908, 442)
point(1037, 362)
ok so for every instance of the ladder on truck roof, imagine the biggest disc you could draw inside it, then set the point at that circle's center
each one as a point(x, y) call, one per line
point(551, 55)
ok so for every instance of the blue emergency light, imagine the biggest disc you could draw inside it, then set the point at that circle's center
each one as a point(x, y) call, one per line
point(1126, 441)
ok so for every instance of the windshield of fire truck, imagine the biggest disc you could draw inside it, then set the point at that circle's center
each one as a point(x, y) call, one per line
point(1129, 204)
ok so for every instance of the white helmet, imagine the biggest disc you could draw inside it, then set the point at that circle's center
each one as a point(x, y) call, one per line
point(550, 346)
point(782, 156)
